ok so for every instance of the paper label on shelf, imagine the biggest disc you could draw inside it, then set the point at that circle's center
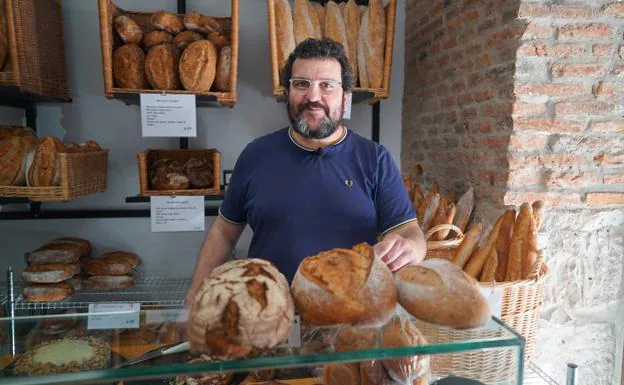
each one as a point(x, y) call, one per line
point(166, 315)
point(169, 115)
point(495, 299)
point(179, 213)
point(294, 339)
point(113, 316)
point(347, 110)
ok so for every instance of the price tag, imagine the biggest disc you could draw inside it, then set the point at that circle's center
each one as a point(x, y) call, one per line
point(179, 213)
point(168, 115)
point(167, 315)
point(294, 339)
point(495, 299)
point(347, 110)
point(113, 316)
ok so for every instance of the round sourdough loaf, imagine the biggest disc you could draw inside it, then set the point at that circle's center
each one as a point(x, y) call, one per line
point(439, 292)
point(344, 286)
point(161, 67)
point(198, 66)
point(242, 307)
point(129, 67)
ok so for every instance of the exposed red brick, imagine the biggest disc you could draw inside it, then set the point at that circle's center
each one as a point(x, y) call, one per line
point(568, 178)
point(550, 198)
point(618, 70)
point(537, 31)
point(449, 101)
point(485, 60)
point(485, 127)
point(466, 66)
point(493, 178)
point(455, 24)
point(500, 37)
point(444, 60)
point(450, 42)
point(532, 49)
point(528, 109)
point(547, 125)
point(615, 9)
point(475, 79)
point(558, 90)
point(434, 48)
point(565, 51)
point(520, 161)
point(606, 160)
point(451, 117)
point(458, 86)
point(570, 11)
point(527, 142)
point(469, 113)
point(614, 179)
point(533, 10)
point(584, 31)
point(464, 99)
point(524, 178)
point(605, 89)
point(576, 70)
point(605, 198)
point(609, 126)
point(471, 14)
point(486, 94)
point(583, 108)
point(601, 51)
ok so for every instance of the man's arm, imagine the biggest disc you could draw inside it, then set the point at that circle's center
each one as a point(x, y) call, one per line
point(216, 250)
point(402, 246)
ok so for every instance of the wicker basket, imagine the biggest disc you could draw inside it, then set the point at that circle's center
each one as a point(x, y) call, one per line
point(521, 303)
point(36, 63)
point(110, 41)
point(79, 174)
point(181, 156)
point(378, 93)
point(443, 249)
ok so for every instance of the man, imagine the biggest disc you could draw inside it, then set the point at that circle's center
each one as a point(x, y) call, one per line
point(315, 185)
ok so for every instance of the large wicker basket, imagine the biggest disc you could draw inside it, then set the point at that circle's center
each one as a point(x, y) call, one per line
point(378, 93)
point(444, 249)
point(110, 41)
point(79, 174)
point(36, 63)
point(180, 156)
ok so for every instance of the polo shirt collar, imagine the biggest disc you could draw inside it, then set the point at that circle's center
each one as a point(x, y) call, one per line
point(292, 138)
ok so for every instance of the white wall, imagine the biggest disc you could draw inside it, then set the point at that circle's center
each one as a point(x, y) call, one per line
point(117, 127)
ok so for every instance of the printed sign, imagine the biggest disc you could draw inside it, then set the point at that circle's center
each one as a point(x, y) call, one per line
point(178, 213)
point(113, 316)
point(168, 115)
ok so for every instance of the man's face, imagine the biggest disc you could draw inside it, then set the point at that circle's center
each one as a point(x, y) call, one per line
point(315, 97)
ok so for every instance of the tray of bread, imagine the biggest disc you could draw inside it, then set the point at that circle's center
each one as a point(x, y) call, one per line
point(46, 169)
point(365, 31)
point(161, 51)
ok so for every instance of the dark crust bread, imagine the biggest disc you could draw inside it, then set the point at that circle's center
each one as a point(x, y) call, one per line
point(161, 67)
point(48, 273)
point(129, 67)
point(198, 66)
point(48, 292)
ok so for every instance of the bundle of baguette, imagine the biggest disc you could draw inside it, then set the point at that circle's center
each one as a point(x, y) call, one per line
point(508, 252)
point(27, 160)
point(111, 271)
point(53, 271)
point(360, 29)
point(191, 52)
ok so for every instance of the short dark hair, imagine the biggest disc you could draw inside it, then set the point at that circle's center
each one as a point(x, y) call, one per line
point(320, 49)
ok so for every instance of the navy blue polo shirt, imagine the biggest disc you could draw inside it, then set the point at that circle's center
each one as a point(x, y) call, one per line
point(299, 202)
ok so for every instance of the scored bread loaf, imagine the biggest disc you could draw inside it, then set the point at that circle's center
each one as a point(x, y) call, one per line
point(48, 273)
point(128, 30)
point(439, 292)
point(42, 168)
point(305, 21)
point(335, 27)
point(198, 66)
point(167, 21)
point(285, 31)
point(242, 307)
point(13, 154)
point(129, 66)
point(352, 22)
point(373, 32)
point(344, 286)
point(161, 67)
point(219, 40)
point(224, 66)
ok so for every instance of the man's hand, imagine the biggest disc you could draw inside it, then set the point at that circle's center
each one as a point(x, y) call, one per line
point(397, 251)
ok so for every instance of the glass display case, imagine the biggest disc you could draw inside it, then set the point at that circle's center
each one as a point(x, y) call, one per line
point(95, 345)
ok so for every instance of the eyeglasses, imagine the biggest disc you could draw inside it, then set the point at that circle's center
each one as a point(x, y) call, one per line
point(327, 86)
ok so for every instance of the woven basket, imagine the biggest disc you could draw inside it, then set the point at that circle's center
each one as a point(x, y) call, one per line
point(110, 41)
point(79, 174)
point(378, 93)
point(36, 62)
point(180, 156)
point(443, 249)
point(521, 303)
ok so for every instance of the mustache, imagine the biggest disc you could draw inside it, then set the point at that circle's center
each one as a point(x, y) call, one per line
point(310, 105)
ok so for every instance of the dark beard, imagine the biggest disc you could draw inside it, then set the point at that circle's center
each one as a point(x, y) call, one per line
point(299, 124)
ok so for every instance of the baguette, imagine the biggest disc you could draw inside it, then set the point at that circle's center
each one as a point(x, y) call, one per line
point(335, 27)
point(409, 186)
point(418, 198)
point(361, 49)
point(489, 269)
point(352, 21)
point(444, 216)
point(375, 43)
point(432, 208)
point(538, 213)
point(320, 14)
point(503, 242)
point(465, 205)
point(518, 242)
point(435, 187)
point(285, 31)
point(476, 262)
point(452, 196)
point(465, 249)
point(305, 21)
point(529, 255)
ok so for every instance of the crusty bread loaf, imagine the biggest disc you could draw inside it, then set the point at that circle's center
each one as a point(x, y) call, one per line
point(352, 22)
point(224, 66)
point(218, 39)
point(132, 258)
point(439, 292)
point(375, 43)
point(343, 286)
point(320, 14)
point(350, 338)
point(128, 30)
point(161, 67)
point(475, 264)
point(47, 292)
point(397, 333)
point(110, 282)
point(465, 205)
point(129, 66)
point(361, 50)
point(52, 256)
point(285, 31)
point(167, 21)
point(335, 27)
point(184, 38)
point(13, 155)
point(341, 374)
point(305, 21)
point(502, 243)
point(242, 307)
point(198, 66)
point(467, 246)
point(48, 273)
point(83, 245)
point(195, 21)
point(538, 213)
point(42, 168)
point(156, 37)
point(110, 265)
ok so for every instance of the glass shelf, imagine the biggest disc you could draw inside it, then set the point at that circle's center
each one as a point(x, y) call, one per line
point(30, 331)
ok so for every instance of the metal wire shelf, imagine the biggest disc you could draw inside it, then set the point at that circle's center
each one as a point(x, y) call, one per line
point(533, 375)
point(150, 290)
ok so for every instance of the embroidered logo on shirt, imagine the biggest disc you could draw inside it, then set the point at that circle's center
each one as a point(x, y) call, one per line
point(348, 183)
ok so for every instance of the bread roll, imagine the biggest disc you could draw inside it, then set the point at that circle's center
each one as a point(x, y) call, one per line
point(42, 168)
point(198, 66)
point(352, 21)
point(48, 273)
point(529, 249)
point(397, 333)
point(439, 292)
point(183, 39)
point(157, 37)
point(285, 31)
point(161, 67)
point(242, 307)
point(224, 66)
point(129, 31)
point(335, 27)
point(218, 40)
point(343, 286)
point(13, 155)
point(167, 21)
point(320, 14)
point(374, 42)
point(195, 21)
point(47, 292)
point(305, 21)
point(129, 67)
point(110, 282)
